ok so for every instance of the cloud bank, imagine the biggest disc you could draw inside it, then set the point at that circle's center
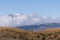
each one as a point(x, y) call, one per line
point(18, 19)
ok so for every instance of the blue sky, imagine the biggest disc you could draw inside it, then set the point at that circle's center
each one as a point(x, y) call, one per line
point(40, 7)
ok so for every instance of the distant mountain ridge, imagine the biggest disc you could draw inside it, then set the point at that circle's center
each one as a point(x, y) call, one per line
point(40, 27)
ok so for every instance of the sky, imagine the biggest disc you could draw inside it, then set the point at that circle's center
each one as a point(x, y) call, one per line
point(29, 12)
point(48, 8)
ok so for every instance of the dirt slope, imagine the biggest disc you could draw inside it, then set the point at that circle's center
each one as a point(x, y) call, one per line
point(15, 34)
point(19, 34)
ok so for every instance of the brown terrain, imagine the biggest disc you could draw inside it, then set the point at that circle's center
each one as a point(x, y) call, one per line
point(19, 34)
point(15, 34)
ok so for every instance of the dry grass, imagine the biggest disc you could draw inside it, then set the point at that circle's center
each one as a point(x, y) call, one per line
point(51, 30)
point(14, 34)
point(19, 34)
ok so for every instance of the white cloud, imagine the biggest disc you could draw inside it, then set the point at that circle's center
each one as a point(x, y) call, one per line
point(22, 19)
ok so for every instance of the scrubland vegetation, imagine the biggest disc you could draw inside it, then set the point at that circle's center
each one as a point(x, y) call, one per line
point(19, 34)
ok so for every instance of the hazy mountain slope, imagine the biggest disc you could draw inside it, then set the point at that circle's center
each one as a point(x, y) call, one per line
point(40, 27)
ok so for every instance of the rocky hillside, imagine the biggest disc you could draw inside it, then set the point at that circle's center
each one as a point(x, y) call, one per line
point(15, 34)
point(19, 34)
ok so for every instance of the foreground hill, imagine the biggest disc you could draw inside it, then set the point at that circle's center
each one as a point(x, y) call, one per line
point(19, 34)
point(51, 34)
point(15, 34)
point(11, 33)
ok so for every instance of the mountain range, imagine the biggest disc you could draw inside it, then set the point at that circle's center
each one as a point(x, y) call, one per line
point(29, 22)
point(40, 27)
